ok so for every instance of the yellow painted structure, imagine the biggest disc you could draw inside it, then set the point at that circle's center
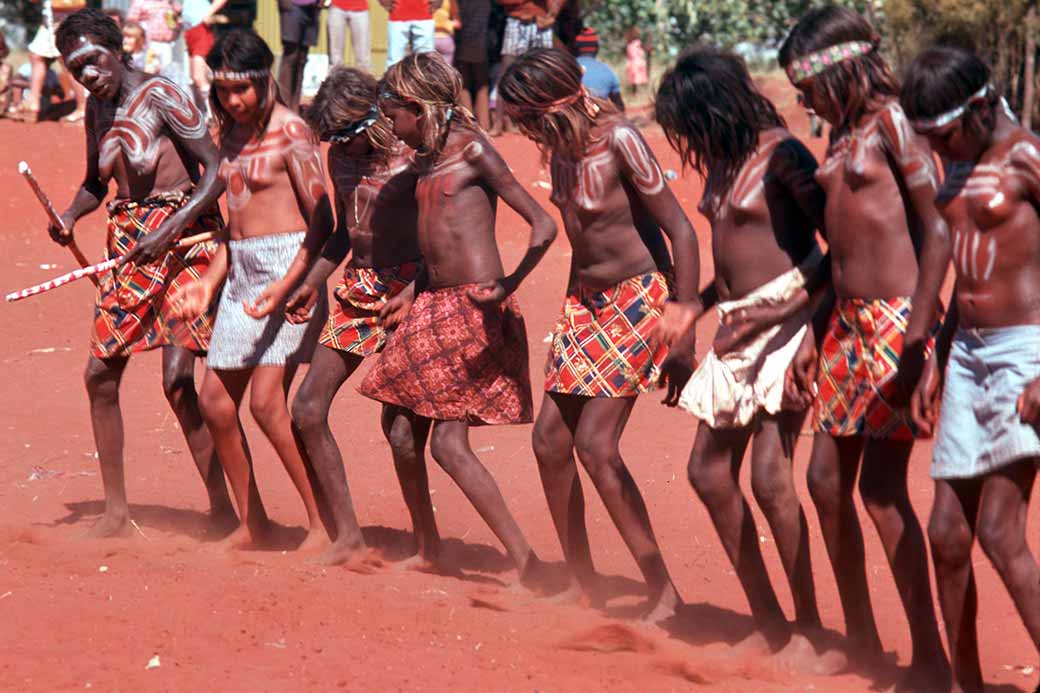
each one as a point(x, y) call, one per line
point(267, 26)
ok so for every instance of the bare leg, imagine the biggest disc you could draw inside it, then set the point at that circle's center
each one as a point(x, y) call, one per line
point(951, 532)
point(553, 440)
point(882, 486)
point(179, 386)
point(503, 124)
point(596, 440)
point(310, 415)
point(102, 378)
point(480, 103)
point(37, 78)
point(290, 73)
point(407, 433)
point(772, 482)
point(714, 472)
point(833, 467)
point(1002, 535)
point(267, 404)
point(219, 400)
point(451, 449)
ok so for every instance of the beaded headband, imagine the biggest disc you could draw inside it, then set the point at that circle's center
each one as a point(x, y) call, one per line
point(553, 106)
point(948, 117)
point(240, 75)
point(813, 64)
point(352, 130)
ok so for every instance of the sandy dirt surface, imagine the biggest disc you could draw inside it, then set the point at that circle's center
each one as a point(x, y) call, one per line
point(102, 614)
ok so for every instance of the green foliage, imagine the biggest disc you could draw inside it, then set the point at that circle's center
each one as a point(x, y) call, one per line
point(670, 25)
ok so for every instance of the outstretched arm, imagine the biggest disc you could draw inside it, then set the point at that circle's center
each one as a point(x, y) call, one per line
point(497, 176)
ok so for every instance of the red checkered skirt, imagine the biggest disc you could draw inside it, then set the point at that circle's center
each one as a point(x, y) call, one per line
point(858, 364)
point(131, 310)
point(353, 324)
point(453, 360)
point(601, 345)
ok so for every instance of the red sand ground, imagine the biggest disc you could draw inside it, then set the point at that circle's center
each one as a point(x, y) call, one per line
point(88, 614)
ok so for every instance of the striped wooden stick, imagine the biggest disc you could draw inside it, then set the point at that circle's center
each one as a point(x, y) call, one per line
point(92, 270)
point(23, 168)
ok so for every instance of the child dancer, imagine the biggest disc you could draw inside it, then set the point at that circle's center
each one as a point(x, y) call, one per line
point(614, 201)
point(460, 355)
point(271, 166)
point(147, 135)
point(985, 457)
point(763, 204)
point(375, 200)
point(889, 249)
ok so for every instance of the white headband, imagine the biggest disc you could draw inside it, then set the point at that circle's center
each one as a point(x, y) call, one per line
point(951, 115)
point(233, 76)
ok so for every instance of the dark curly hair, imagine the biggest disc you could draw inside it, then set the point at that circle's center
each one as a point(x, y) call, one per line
point(346, 96)
point(94, 24)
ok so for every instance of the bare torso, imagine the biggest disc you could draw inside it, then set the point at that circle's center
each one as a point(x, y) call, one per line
point(612, 234)
point(766, 223)
point(991, 208)
point(132, 139)
point(379, 206)
point(871, 234)
point(273, 181)
point(457, 214)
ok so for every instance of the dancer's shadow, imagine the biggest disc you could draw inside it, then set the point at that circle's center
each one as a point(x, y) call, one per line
point(162, 518)
point(397, 544)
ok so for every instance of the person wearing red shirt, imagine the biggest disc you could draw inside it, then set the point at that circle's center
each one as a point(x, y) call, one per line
point(353, 14)
point(410, 28)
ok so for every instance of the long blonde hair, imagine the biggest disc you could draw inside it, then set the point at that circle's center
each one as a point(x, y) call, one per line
point(433, 85)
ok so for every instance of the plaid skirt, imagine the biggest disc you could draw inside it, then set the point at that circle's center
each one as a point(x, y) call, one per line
point(601, 344)
point(858, 364)
point(453, 360)
point(353, 324)
point(131, 310)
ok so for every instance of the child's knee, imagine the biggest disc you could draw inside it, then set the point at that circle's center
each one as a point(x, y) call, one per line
point(447, 448)
point(217, 408)
point(772, 488)
point(880, 489)
point(950, 539)
point(306, 413)
point(178, 385)
point(824, 484)
point(550, 448)
point(1001, 540)
point(596, 450)
point(399, 435)
point(267, 410)
point(708, 478)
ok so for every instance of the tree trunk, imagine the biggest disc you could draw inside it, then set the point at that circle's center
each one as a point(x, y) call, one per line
point(1029, 78)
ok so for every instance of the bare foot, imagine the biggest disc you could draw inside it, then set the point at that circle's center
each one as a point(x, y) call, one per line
point(222, 523)
point(433, 565)
point(537, 577)
point(754, 645)
point(800, 656)
point(928, 675)
point(110, 525)
point(315, 541)
point(338, 553)
point(665, 607)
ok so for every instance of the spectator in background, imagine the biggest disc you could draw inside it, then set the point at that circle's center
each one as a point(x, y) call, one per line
point(161, 22)
point(472, 56)
point(6, 78)
point(299, 19)
point(597, 77)
point(42, 52)
point(352, 13)
point(134, 41)
point(635, 61)
point(529, 24)
point(197, 18)
point(410, 28)
point(445, 22)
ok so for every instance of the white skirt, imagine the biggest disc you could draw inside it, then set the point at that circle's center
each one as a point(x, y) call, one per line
point(240, 341)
